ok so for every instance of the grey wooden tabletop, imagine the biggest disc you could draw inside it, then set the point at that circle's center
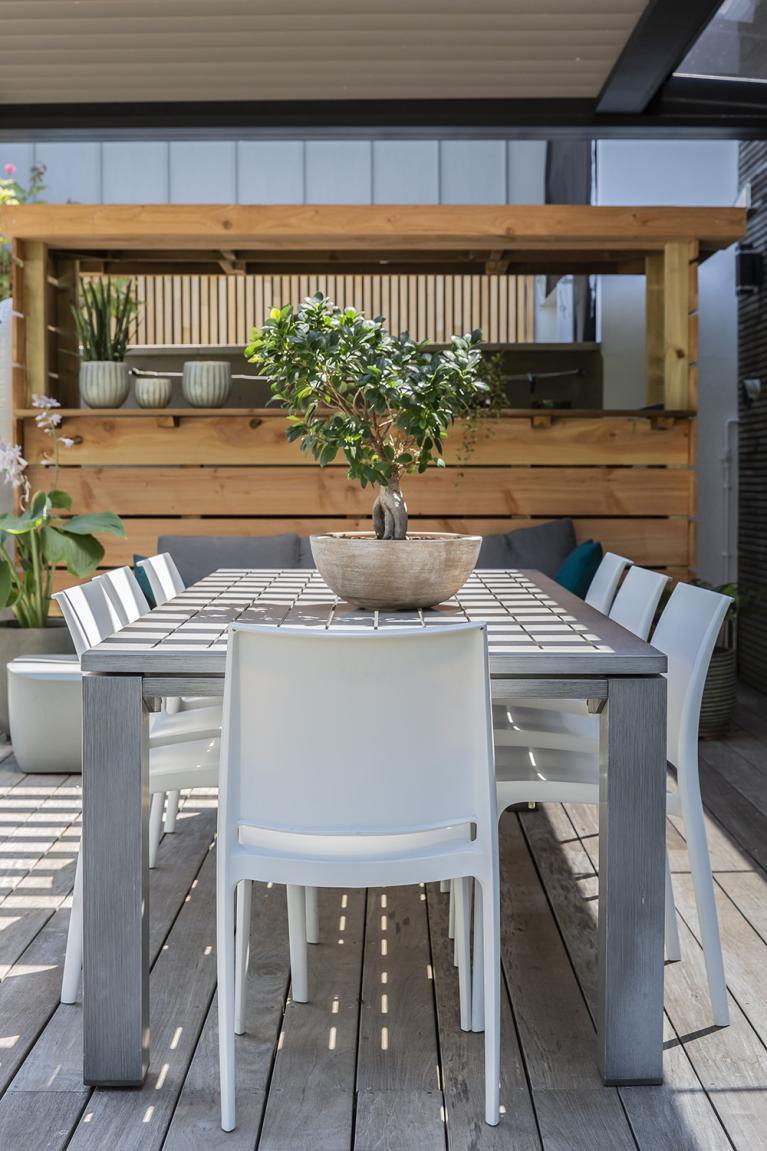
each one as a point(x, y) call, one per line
point(534, 626)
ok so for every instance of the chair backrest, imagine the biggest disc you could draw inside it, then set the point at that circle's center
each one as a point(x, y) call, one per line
point(637, 599)
point(605, 582)
point(89, 614)
point(373, 732)
point(687, 632)
point(124, 593)
point(163, 575)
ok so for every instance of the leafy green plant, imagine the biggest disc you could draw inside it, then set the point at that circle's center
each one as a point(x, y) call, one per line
point(351, 387)
point(105, 318)
point(41, 536)
point(11, 193)
point(484, 406)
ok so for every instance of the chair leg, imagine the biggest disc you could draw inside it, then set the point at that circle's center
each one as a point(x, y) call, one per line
point(73, 959)
point(451, 915)
point(673, 952)
point(312, 916)
point(171, 811)
point(299, 976)
point(478, 967)
point(708, 921)
point(241, 953)
point(462, 942)
point(155, 826)
point(225, 965)
point(492, 979)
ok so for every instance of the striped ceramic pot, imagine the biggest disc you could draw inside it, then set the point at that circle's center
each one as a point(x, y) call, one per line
point(152, 391)
point(104, 383)
point(207, 383)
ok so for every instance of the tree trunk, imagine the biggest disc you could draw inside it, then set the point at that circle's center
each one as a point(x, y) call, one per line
point(390, 513)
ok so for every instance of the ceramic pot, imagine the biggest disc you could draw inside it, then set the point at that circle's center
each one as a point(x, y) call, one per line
point(104, 383)
point(421, 571)
point(717, 707)
point(207, 383)
point(152, 391)
point(23, 641)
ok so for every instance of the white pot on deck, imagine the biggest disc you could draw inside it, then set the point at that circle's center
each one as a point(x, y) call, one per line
point(425, 569)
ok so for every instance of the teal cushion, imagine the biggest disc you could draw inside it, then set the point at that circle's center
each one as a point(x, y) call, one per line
point(580, 567)
point(143, 581)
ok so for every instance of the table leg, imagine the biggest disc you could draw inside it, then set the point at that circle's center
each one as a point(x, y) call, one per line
point(115, 881)
point(632, 811)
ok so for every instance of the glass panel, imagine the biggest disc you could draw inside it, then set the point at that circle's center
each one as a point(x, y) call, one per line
point(733, 46)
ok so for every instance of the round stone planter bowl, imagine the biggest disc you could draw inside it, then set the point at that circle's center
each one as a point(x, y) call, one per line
point(104, 383)
point(206, 383)
point(421, 571)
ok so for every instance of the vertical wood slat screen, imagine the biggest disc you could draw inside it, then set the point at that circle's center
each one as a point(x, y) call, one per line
point(222, 309)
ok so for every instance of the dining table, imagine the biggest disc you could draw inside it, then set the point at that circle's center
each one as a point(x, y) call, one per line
point(543, 642)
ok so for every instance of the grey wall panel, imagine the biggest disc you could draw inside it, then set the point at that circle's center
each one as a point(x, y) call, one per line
point(135, 172)
point(339, 172)
point(22, 155)
point(270, 172)
point(405, 172)
point(473, 171)
point(73, 171)
point(527, 172)
point(203, 172)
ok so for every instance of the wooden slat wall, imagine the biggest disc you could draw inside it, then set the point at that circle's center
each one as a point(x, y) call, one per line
point(626, 480)
point(222, 309)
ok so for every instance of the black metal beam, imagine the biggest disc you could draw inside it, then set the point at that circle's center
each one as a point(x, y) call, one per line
point(657, 45)
point(685, 108)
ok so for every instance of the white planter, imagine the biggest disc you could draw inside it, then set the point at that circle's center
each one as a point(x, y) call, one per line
point(152, 391)
point(397, 575)
point(207, 383)
point(104, 383)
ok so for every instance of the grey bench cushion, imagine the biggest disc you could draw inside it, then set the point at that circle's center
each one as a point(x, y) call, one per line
point(198, 556)
point(544, 547)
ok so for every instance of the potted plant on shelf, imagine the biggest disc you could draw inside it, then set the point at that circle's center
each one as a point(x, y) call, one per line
point(105, 318)
point(36, 540)
point(385, 403)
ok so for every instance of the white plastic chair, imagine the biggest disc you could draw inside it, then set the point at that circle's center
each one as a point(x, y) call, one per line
point(605, 582)
point(163, 575)
point(129, 604)
point(91, 617)
point(634, 608)
point(686, 633)
point(327, 802)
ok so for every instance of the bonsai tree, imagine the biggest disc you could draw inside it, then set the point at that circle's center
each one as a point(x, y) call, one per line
point(350, 386)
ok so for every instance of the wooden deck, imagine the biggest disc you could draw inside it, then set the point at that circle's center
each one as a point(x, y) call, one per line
point(376, 1061)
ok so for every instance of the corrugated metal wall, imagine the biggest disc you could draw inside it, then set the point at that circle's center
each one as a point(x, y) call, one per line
point(752, 534)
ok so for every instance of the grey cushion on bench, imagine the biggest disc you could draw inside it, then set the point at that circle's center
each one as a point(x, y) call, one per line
point(198, 556)
point(544, 546)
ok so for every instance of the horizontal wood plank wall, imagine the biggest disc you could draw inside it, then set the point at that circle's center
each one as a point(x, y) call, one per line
point(626, 479)
point(223, 309)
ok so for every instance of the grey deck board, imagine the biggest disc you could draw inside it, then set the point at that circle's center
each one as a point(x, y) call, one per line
point(303, 1096)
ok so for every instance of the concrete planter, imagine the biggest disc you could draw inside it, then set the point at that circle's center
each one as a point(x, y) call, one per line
point(104, 383)
point(23, 641)
point(397, 575)
point(207, 383)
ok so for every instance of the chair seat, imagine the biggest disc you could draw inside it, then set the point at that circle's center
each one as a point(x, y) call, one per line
point(55, 667)
point(543, 775)
point(365, 847)
point(182, 726)
point(193, 763)
point(522, 726)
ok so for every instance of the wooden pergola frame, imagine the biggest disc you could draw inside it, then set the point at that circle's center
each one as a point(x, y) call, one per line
point(53, 243)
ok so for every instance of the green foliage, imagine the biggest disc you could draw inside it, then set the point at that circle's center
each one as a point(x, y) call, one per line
point(105, 318)
point(383, 402)
point(11, 193)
